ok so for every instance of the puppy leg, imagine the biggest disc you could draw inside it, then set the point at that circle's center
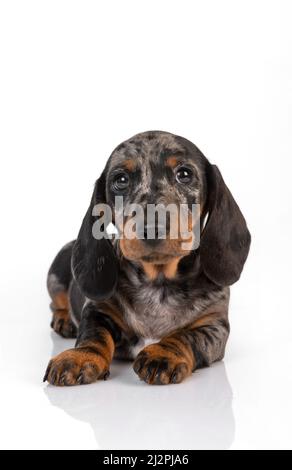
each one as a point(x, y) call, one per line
point(176, 356)
point(58, 281)
point(93, 353)
point(61, 321)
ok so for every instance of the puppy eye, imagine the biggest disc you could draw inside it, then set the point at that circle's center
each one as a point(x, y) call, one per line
point(184, 175)
point(121, 182)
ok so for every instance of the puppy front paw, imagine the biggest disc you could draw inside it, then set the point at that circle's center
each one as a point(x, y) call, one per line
point(76, 367)
point(158, 365)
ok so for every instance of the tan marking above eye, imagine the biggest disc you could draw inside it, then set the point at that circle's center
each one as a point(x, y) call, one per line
point(172, 161)
point(129, 164)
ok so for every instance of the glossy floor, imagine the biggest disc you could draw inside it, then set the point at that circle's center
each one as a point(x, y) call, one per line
point(244, 402)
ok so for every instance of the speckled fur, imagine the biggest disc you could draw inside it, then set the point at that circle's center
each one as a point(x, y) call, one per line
point(156, 309)
point(146, 149)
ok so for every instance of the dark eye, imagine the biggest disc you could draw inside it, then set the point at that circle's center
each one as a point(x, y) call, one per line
point(121, 182)
point(184, 175)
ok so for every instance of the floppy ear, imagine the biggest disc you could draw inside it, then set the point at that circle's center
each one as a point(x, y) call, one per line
point(225, 240)
point(94, 263)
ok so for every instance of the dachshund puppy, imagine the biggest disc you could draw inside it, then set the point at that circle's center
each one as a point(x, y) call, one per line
point(146, 299)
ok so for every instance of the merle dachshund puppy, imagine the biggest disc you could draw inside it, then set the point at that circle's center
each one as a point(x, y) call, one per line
point(149, 300)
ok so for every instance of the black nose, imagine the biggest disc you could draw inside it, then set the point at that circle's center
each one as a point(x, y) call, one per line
point(154, 234)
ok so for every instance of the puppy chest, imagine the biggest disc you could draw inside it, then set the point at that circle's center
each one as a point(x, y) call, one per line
point(152, 315)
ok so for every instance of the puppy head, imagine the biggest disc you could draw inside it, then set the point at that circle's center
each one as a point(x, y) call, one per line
point(158, 168)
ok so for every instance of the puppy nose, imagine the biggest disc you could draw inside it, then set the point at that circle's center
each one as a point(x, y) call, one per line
point(154, 234)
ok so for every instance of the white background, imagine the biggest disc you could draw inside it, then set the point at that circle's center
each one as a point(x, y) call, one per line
point(76, 79)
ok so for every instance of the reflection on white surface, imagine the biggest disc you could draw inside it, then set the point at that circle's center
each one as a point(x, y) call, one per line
point(125, 413)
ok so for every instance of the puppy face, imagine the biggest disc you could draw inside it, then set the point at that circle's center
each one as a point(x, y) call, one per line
point(162, 169)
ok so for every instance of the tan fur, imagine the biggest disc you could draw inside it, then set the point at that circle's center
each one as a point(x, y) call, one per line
point(131, 249)
point(60, 301)
point(182, 358)
point(172, 161)
point(86, 363)
point(206, 320)
point(129, 164)
point(152, 270)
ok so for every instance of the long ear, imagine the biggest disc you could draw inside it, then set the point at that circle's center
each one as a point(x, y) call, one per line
point(225, 240)
point(94, 263)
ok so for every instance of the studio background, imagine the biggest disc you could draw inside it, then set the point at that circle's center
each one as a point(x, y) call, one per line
point(76, 79)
